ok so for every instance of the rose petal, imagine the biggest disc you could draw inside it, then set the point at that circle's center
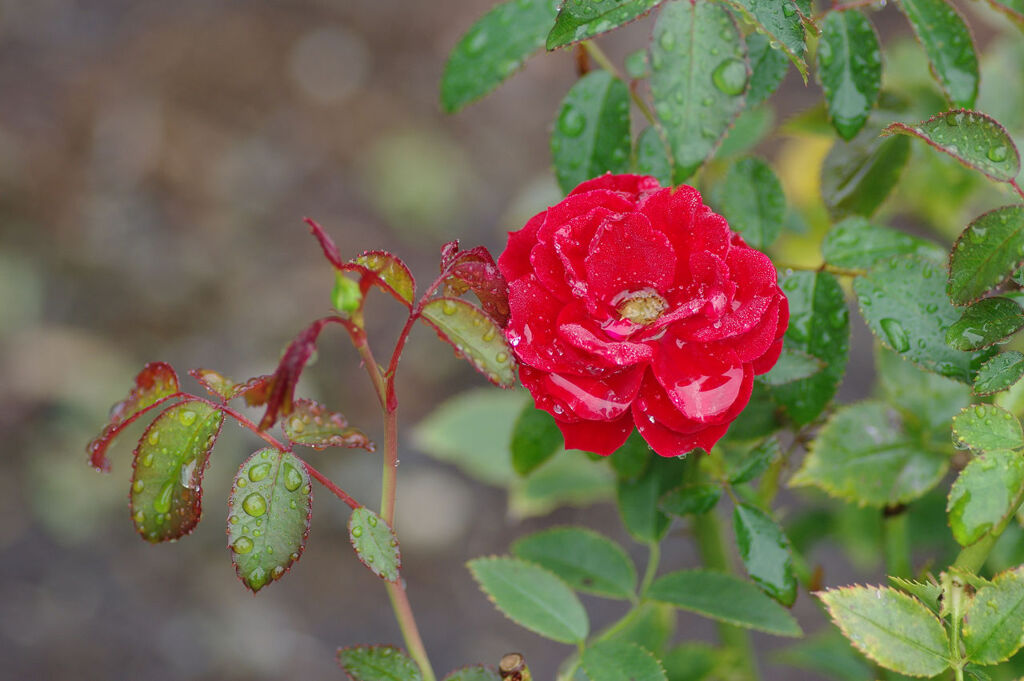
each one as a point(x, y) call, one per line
point(535, 382)
point(514, 261)
point(599, 437)
point(764, 363)
point(754, 343)
point(653, 405)
point(572, 244)
point(596, 399)
point(579, 329)
point(706, 383)
point(667, 442)
point(532, 330)
point(626, 255)
point(690, 226)
point(635, 186)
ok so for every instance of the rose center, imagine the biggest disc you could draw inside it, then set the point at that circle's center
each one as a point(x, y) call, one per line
point(640, 307)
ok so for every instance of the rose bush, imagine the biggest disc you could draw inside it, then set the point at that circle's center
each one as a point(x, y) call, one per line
point(635, 304)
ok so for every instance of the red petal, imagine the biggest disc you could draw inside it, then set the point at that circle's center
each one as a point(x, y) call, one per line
point(754, 343)
point(573, 243)
point(592, 399)
point(707, 384)
point(579, 329)
point(690, 226)
point(636, 186)
point(764, 363)
point(514, 262)
point(532, 331)
point(629, 255)
point(599, 437)
point(667, 442)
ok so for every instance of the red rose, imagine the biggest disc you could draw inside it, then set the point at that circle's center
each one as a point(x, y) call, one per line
point(634, 304)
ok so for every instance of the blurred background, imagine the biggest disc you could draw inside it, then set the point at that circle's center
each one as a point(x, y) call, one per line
point(156, 161)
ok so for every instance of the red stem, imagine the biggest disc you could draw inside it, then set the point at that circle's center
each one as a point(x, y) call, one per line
point(1013, 183)
point(326, 482)
point(414, 314)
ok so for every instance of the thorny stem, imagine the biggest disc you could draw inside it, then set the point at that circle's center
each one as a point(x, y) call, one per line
point(598, 55)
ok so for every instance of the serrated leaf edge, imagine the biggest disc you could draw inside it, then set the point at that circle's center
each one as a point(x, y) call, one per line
point(370, 566)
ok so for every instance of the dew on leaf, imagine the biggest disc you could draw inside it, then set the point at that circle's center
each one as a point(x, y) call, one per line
point(292, 477)
point(162, 503)
point(895, 334)
point(997, 154)
point(372, 520)
point(242, 545)
point(254, 505)
point(571, 123)
point(259, 471)
point(154, 437)
point(357, 531)
point(730, 77)
point(138, 486)
point(187, 417)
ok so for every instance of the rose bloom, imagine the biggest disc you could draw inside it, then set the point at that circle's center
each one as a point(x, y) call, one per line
point(634, 304)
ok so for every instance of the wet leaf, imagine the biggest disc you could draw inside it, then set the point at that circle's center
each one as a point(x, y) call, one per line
point(849, 69)
point(793, 365)
point(375, 543)
point(856, 243)
point(753, 202)
point(765, 552)
point(477, 672)
point(638, 499)
point(385, 271)
point(780, 20)
point(168, 467)
point(535, 439)
point(691, 661)
point(1011, 8)
point(278, 391)
point(903, 301)
point(985, 322)
point(862, 455)
point(215, 383)
point(923, 398)
point(532, 597)
point(891, 628)
point(474, 270)
point(724, 598)
point(586, 560)
point(632, 459)
point(377, 663)
point(691, 499)
point(988, 251)
point(857, 176)
point(947, 42)
point(984, 427)
point(753, 463)
point(700, 74)
point(994, 621)
point(619, 661)
point(983, 494)
point(751, 128)
point(999, 373)
point(495, 47)
point(474, 336)
point(652, 157)
point(928, 593)
point(975, 139)
point(155, 382)
point(327, 244)
point(768, 65)
point(313, 425)
point(269, 509)
point(827, 654)
point(578, 21)
point(591, 134)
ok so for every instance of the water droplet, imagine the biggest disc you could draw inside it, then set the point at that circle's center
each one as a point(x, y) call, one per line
point(448, 307)
point(241, 482)
point(979, 411)
point(259, 471)
point(187, 417)
point(254, 505)
point(730, 76)
point(667, 41)
point(140, 517)
point(242, 545)
point(997, 154)
point(502, 357)
point(788, 9)
point(476, 42)
point(372, 521)
point(489, 335)
point(895, 334)
point(257, 578)
point(147, 460)
point(306, 489)
point(357, 531)
point(292, 477)
point(292, 504)
point(154, 437)
point(162, 504)
point(277, 572)
point(297, 424)
point(233, 519)
point(138, 486)
point(571, 123)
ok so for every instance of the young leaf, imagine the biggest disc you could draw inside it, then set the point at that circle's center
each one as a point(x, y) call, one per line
point(903, 301)
point(988, 251)
point(652, 156)
point(278, 392)
point(375, 543)
point(766, 553)
point(496, 45)
point(984, 427)
point(215, 383)
point(850, 70)
point(928, 593)
point(387, 272)
point(856, 243)
point(578, 21)
point(793, 365)
point(638, 499)
point(987, 321)
point(312, 425)
point(586, 560)
point(829, 655)
point(377, 663)
point(724, 598)
point(477, 672)
point(591, 134)
point(691, 499)
point(891, 628)
point(155, 382)
point(474, 270)
point(769, 67)
point(532, 597)
point(975, 139)
point(999, 373)
point(819, 325)
point(474, 336)
point(619, 661)
point(753, 202)
point(994, 620)
point(699, 78)
point(168, 467)
point(269, 509)
point(327, 244)
point(780, 20)
point(982, 495)
point(858, 175)
point(535, 439)
point(753, 463)
point(947, 42)
point(862, 457)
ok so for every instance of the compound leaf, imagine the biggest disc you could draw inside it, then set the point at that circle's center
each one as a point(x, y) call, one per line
point(313, 425)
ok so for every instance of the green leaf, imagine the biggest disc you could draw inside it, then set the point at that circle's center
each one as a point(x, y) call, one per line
point(535, 439)
point(638, 499)
point(586, 560)
point(700, 74)
point(636, 64)
point(994, 620)
point(921, 397)
point(793, 365)
point(724, 598)
point(985, 322)
point(691, 499)
point(829, 655)
point(392, 273)
point(850, 69)
point(618, 661)
point(578, 21)
point(215, 383)
point(819, 325)
point(891, 628)
point(750, 129)
point(928, 593)
point(496, 45)
point(377, 663)
point(172, 455)
point(857, 176)
point(532, 597)
point(313, 425)
point(984, 427)
point(999, 373)
point(268, 516)
point(690, 662)
point(779, 20)
point(631, 460)
point(753, 202)
point(903, 301)
point(652, 627)
point(1011, 8)
point(856, 243)
point(765, 552)
point(762, 415)
point(976, 140)
point(591, 134)
point(652, 156)
point(568, 479)
point(753, 463)
point(475, 336)
point(988, 251)
point(948, 44)
point(769, 67)
point(982, 495)
point(375, 543)
point(861, 456)
point(477, 672)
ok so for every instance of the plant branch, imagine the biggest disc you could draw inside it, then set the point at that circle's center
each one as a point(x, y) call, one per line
point(407, 623)
point(653, 558)
point(598, 55)
point(1016, 187)
point(897, 544)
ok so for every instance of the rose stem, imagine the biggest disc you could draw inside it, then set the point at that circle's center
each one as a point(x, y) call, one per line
point(897, 542)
